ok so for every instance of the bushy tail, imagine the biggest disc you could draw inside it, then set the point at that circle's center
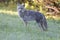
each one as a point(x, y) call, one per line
point(45, 23)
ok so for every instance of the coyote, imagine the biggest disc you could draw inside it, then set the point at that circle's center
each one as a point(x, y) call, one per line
point(29, 15)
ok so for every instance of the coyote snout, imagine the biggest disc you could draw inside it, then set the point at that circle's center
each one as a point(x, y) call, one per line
point(29, 15)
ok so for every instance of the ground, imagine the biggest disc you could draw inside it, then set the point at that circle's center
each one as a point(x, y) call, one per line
point(12, 28)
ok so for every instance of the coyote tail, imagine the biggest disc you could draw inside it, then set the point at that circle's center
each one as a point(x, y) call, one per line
point(45, 22)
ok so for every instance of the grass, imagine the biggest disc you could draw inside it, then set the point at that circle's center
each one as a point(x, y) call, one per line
point(12, 28)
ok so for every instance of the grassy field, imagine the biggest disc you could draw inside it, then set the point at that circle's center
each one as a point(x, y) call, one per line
point(12, 28)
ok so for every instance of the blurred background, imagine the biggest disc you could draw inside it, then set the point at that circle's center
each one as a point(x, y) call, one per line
point(47, 7)
point(12, 28)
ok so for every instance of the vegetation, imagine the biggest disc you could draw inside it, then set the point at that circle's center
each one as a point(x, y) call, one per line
point(12, 28)
point(48, 7)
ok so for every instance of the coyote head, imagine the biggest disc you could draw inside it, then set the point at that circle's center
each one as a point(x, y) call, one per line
point(20, 6)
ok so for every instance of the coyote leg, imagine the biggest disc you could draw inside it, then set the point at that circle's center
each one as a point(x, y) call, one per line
point(39, 24)
point(42, 26)
point(25, 23)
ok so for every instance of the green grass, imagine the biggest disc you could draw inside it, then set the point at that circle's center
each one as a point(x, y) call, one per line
point(12, 28)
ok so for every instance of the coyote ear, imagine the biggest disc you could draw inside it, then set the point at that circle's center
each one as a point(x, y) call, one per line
point(23, 4)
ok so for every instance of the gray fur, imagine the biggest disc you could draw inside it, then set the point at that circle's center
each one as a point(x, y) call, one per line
point(29, 15)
